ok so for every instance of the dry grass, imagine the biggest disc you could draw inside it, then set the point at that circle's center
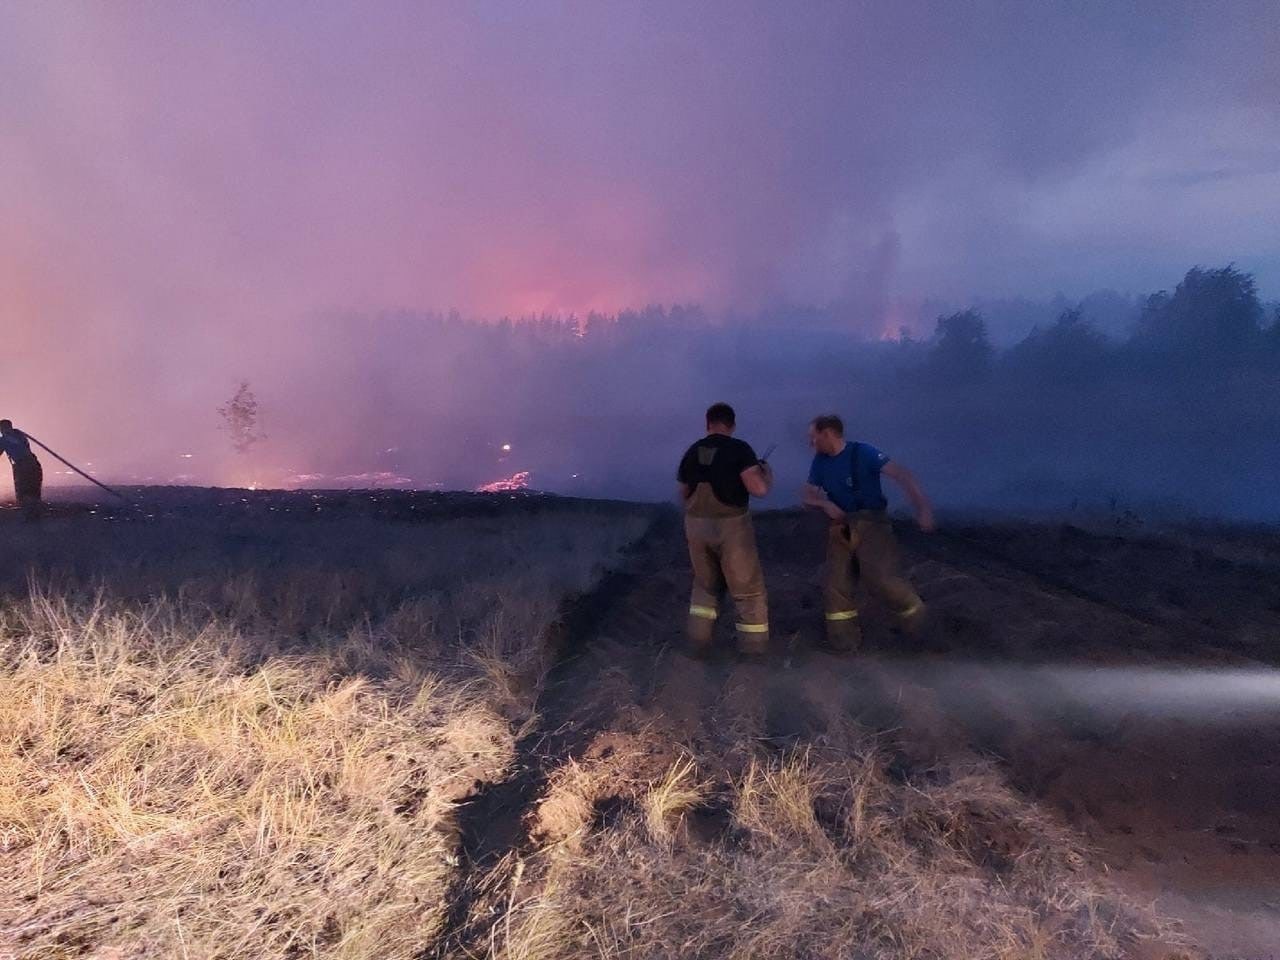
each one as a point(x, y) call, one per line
point(174, 802)
point(821, 854)
point(268, 765)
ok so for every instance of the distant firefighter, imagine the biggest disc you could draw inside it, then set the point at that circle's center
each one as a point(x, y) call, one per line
point(844, 483)
point(28, 475)
point(718, 475)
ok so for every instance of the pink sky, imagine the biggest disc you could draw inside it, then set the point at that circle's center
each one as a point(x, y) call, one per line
point(182, 184)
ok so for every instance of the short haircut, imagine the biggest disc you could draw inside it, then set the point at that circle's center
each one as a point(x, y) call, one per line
point(829, 421)
point(722, 414)
point(6, 424)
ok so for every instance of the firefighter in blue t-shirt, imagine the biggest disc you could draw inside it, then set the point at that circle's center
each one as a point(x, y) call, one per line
point(844, 483)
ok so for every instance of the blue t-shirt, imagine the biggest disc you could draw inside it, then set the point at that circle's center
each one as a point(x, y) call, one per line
point(852, 477)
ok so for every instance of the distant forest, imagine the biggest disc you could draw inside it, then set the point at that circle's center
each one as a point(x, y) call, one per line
point(1183, 409)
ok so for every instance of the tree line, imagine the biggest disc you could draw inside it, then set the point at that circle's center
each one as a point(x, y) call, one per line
point(1183, 407)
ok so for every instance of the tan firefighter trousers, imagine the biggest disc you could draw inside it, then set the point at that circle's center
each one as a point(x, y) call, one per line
point(723, 553)
point(863, 548)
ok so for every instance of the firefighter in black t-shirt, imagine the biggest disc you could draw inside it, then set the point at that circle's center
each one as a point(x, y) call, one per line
point(718, 475)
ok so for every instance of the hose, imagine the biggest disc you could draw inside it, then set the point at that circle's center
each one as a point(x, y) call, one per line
point(58, 456)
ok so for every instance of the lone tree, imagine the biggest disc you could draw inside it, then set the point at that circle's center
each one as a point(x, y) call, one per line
point(240, 418)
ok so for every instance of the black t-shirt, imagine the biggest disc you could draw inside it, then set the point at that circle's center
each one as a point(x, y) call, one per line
point(719, 460)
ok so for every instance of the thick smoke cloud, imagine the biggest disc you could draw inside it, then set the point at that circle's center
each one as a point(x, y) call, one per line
point(1181, 412)
point(192, 194)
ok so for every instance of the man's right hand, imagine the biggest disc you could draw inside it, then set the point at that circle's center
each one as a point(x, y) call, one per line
point(817, 498)
point(925, 520)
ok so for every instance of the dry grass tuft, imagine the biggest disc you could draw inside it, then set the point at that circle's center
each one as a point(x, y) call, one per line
point(667, 801)
point(778, 801)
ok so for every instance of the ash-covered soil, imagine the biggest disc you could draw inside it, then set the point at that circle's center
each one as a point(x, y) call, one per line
point(151, 503)
point(1130, 681)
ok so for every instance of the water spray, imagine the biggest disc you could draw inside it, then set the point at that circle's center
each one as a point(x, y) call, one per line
point(1207, 692)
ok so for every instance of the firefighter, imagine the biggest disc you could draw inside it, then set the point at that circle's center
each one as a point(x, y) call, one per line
point(28, 475)
point(718, 475)
point(844, 483)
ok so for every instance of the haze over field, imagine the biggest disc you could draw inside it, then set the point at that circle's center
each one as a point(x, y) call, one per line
point(193, 196)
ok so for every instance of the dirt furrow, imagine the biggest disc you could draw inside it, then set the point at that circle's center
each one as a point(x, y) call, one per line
point(495, 823)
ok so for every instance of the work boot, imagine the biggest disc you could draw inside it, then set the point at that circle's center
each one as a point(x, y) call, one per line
point(847, 641)
point(843, 635)
point(753, 644)
point(911, 627)
point(701, 635)
point(911, 622)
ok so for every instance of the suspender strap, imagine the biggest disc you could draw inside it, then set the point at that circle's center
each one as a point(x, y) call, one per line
point(855, 481)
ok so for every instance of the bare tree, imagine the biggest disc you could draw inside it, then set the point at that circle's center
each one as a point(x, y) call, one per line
point(240, 418)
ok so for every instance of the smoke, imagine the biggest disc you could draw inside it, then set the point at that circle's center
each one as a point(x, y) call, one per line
point(194, 195)
point(1181, 413)
point(1105, 694)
